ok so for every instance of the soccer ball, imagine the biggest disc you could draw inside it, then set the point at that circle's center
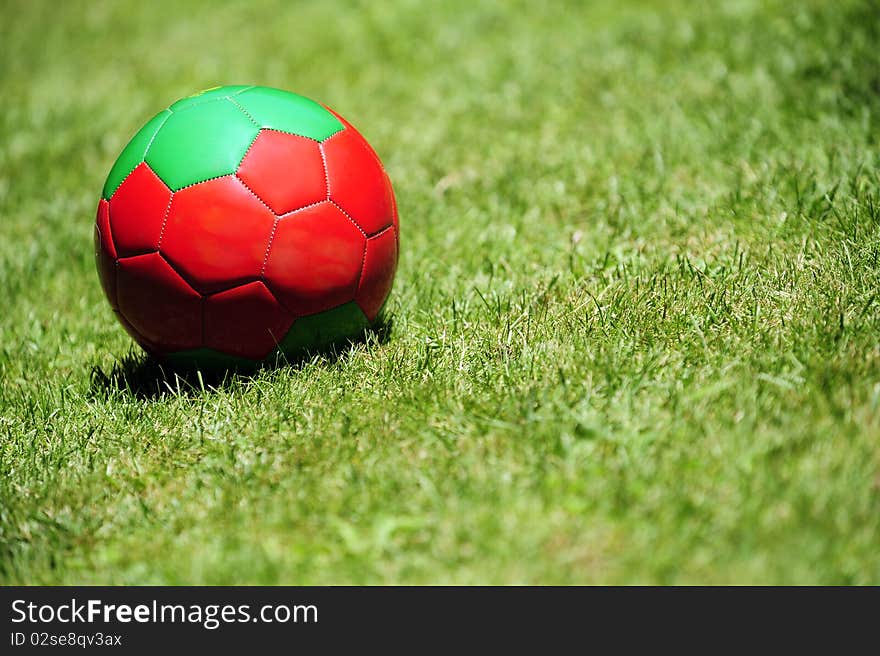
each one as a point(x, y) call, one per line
point(246, 223)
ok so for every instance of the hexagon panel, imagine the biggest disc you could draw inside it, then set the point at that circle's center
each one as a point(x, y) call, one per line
point(315, 259)
point(245, 321)
point(357, 182)
point(288, 112)
point(217, 234)
point(199, 142)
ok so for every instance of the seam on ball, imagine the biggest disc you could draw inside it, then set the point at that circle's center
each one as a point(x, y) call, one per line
point(326, 170)
point(164, 221)
point(183, 276)
point(381, 231)
point(193, 184)
point(236, 285)
point(243, 110)
point(304, 207)
point(360, 279)
point(269, 247)
point(254, 194)
point(330, 136)
point(250, 145)
point(155, 134)
point(304, 136)
point(348, 216)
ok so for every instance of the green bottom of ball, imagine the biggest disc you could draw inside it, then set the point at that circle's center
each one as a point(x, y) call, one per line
point(307, 336)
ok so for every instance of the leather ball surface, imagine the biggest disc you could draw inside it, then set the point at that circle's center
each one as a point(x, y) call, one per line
point(244, 223)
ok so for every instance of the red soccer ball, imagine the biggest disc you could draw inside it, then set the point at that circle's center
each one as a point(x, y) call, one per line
point(243, 224)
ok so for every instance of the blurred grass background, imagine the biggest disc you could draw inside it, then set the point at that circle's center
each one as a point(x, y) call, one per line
point(635, 323)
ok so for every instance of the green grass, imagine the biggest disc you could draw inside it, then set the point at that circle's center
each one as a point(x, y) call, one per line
point(636, 325)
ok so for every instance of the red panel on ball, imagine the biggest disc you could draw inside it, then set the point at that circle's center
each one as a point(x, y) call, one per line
point(159, 304)
point(284, 170)
point(395, 220)
point(315, 260)
point(380, 263)
point(105, 253)
point(137, 210)
point(245, 321)
point(357, 182)
point(217, 233)
point(148, 346)
point(102, 222)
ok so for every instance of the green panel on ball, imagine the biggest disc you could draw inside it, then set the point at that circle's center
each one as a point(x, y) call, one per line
point(134, 153)
point(206, 359)
point(324, 329)
point(209, 94)
point(203, 141)
point(288, 112)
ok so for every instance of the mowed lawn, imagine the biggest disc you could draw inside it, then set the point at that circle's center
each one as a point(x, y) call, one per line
point(636, 323)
